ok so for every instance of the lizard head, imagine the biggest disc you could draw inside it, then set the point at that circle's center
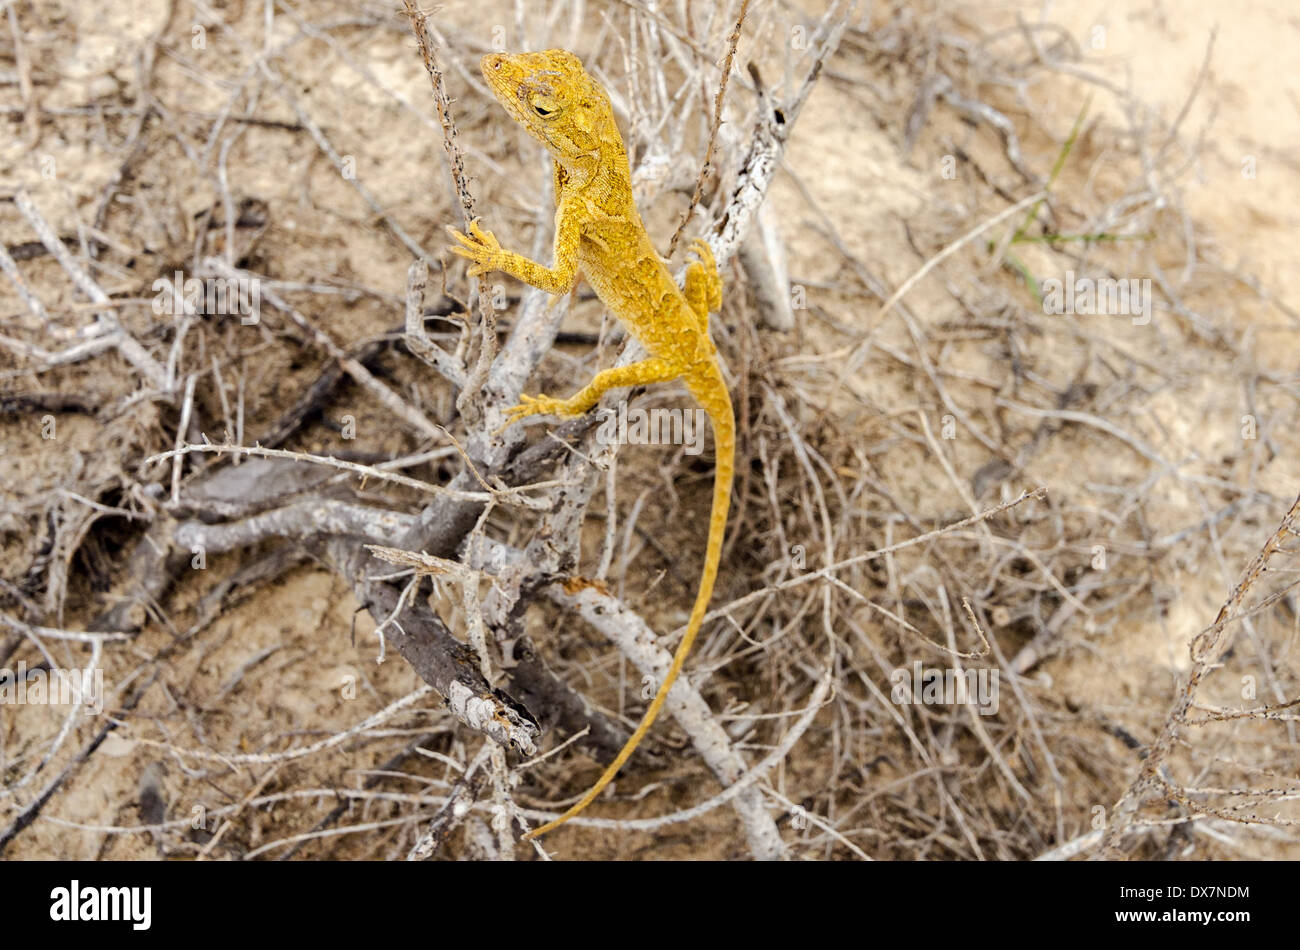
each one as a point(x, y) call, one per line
point(555, 99)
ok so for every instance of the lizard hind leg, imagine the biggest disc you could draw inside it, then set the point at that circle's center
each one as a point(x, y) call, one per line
point(644, 373)
point(703, 290)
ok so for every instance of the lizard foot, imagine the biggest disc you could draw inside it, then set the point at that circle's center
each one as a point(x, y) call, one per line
point(703, 287)
point(703, 273)
point(705, 253)
point(539, 406)
point(479, 246)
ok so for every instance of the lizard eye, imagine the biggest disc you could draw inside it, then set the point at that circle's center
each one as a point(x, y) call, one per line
point(544, 106)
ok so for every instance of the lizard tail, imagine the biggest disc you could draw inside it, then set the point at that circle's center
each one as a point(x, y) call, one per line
point(713, 397)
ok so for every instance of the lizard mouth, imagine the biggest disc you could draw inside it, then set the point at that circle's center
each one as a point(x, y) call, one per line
point(493, 67)
point(512, 79)
point(504, 78)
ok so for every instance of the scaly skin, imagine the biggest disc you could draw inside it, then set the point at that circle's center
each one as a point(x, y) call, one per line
point(598, 230)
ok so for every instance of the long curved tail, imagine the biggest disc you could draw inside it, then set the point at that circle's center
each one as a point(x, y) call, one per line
point(711, 393)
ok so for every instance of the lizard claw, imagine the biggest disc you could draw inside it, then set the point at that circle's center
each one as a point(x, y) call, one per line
point(481, 247)
point(537, 406)
point(703, 282)
point(704, 252)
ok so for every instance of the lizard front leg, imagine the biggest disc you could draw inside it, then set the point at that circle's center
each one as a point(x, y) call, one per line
point(703, 290)
point(653, 370)
point(482, 248)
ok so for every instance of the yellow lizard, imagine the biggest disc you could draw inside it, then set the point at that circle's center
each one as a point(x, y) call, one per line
point(599, 231)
